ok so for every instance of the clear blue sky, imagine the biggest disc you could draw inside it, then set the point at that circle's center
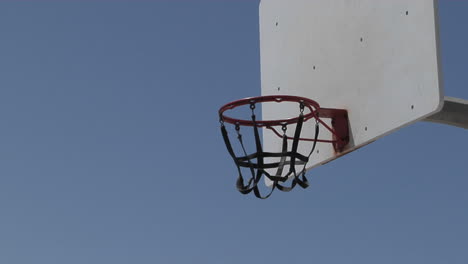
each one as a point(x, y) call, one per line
point(110, 150)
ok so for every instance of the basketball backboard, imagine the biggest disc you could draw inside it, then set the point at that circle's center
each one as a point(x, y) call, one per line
point(376, 59)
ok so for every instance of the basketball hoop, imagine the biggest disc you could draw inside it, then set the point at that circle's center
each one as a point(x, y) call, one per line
point(292, 158)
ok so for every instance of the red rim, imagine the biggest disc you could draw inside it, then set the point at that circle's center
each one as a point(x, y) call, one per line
point(313, 106)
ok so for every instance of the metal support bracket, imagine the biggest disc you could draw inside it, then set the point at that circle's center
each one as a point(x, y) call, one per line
point(339, 121)
point(454, 113)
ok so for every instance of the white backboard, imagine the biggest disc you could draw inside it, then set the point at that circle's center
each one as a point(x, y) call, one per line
point(378, 59)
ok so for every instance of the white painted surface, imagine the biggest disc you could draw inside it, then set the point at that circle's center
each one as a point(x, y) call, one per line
point(387, 80)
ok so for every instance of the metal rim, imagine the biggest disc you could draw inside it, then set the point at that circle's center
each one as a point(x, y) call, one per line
point(313, 106)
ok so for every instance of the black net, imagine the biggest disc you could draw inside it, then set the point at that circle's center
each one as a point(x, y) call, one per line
point(283, 173)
